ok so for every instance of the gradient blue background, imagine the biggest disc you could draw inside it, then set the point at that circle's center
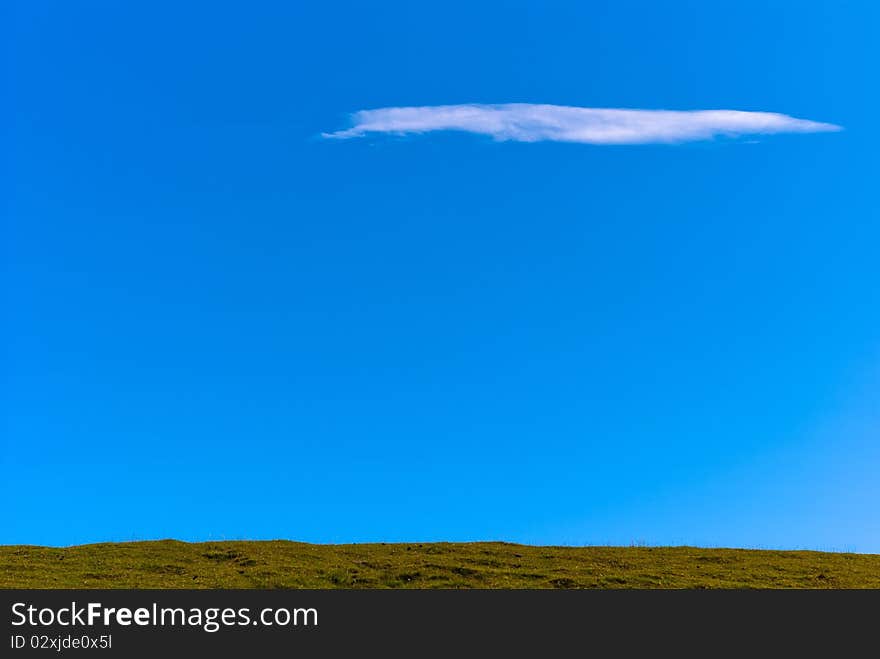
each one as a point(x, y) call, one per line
point(217, 324)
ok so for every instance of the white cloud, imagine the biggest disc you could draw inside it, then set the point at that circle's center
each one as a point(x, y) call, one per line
point(527, 122)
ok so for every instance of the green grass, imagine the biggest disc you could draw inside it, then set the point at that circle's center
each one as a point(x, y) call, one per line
point(281, 564)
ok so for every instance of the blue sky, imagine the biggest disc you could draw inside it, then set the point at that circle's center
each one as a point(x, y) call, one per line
point(218, 323)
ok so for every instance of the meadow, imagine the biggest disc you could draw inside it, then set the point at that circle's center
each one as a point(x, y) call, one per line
point(283, 564)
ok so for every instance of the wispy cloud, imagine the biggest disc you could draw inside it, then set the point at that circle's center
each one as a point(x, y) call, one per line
point(527, 122)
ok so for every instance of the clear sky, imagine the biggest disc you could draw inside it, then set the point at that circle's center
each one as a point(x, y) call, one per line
point(218, 322)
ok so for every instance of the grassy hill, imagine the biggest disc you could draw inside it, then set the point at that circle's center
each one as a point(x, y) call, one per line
point(282, 564)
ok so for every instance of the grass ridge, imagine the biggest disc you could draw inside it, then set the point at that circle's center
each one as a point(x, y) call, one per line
point(287, 564)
